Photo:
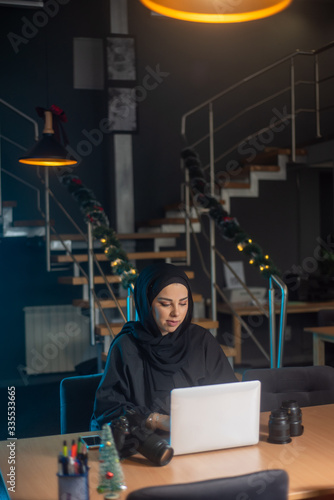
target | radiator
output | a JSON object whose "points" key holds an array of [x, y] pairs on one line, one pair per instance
{"points": [[56, 339]]}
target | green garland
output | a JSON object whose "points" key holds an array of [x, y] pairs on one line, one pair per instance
{"points": [[227, 225], [94, 213]]}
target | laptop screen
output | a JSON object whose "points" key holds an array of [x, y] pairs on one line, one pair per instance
{"points": [[214, 417]]}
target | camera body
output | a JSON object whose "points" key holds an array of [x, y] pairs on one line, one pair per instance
{"points": [[131, 435]]}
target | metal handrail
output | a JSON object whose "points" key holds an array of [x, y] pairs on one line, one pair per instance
{"points": [[26, 117], [93, 298], [239, 84], [283, 315], [223, 296], [28, 184], [213, 160], [92, 260]]}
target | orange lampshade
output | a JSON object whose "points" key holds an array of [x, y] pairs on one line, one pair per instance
{"points": [[217, 11], [48, 152]]}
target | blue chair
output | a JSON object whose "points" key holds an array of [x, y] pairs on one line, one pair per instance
{"points": [[4, 495], [308, 385], [264, 485], [77, 396]]}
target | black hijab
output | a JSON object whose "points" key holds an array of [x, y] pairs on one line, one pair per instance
{"points": [[164, 353]]}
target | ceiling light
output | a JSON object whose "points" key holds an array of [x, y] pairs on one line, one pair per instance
{"points": [[48, 152], [217, 11]]}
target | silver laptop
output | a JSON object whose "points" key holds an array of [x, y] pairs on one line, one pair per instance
{"points": [[214, 417]]}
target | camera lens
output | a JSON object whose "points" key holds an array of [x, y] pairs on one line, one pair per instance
{"points": [[295, 417], [279, 427], [156, 449]]}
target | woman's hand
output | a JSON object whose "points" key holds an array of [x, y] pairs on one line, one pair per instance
{"points": [[158, 421]]}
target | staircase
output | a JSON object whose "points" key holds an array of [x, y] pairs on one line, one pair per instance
{"points": [[162, 238], [271, 165]]}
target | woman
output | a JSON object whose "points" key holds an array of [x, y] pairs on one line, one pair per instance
{"points": [[163, 350]]}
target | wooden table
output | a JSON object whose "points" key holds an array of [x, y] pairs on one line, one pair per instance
{"points": [[321, 334], [243, 309], [308, 459]]}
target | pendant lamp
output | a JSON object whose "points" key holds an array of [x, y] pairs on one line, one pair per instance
{"points": [[48, 152], [217, 11]]}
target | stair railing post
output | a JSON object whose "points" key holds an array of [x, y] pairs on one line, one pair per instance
{"points": [[47, 219], [129, 305], [212, 222], [188, 214], [293, 109], [131, 312], [317, 95], [272, 323], [283, 316], [92, 313]]}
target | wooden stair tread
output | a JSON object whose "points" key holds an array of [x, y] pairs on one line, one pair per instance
{"points": [[254, 167], [31, 223], [9, 204], [98, 280], [173, 207], [229, 351], [168, 220], [270, 153], [102, 329], [245, 172], [120, 236], [81, 257], [264, 168], [81, 280], [110, 303], [207, 323], [106, 303], [236, 185]]}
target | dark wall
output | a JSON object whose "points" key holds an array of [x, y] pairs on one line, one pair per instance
{"points": [[197, 61]]}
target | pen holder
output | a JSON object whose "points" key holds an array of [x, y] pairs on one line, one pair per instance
{"points": [[73, 486]]}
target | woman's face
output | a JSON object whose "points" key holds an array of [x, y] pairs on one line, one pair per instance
{"points": [[169, 307]]}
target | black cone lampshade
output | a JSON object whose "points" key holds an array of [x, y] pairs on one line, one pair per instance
{"points": [[48, 152]]}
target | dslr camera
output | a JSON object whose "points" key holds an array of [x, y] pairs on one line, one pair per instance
{"points": [[131, 435]]}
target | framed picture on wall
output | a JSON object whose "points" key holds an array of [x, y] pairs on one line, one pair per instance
{"points": [[121, 58], [122, 110]]}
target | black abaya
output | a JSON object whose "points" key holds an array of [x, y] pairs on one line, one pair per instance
{"points": [[143, 366]]}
